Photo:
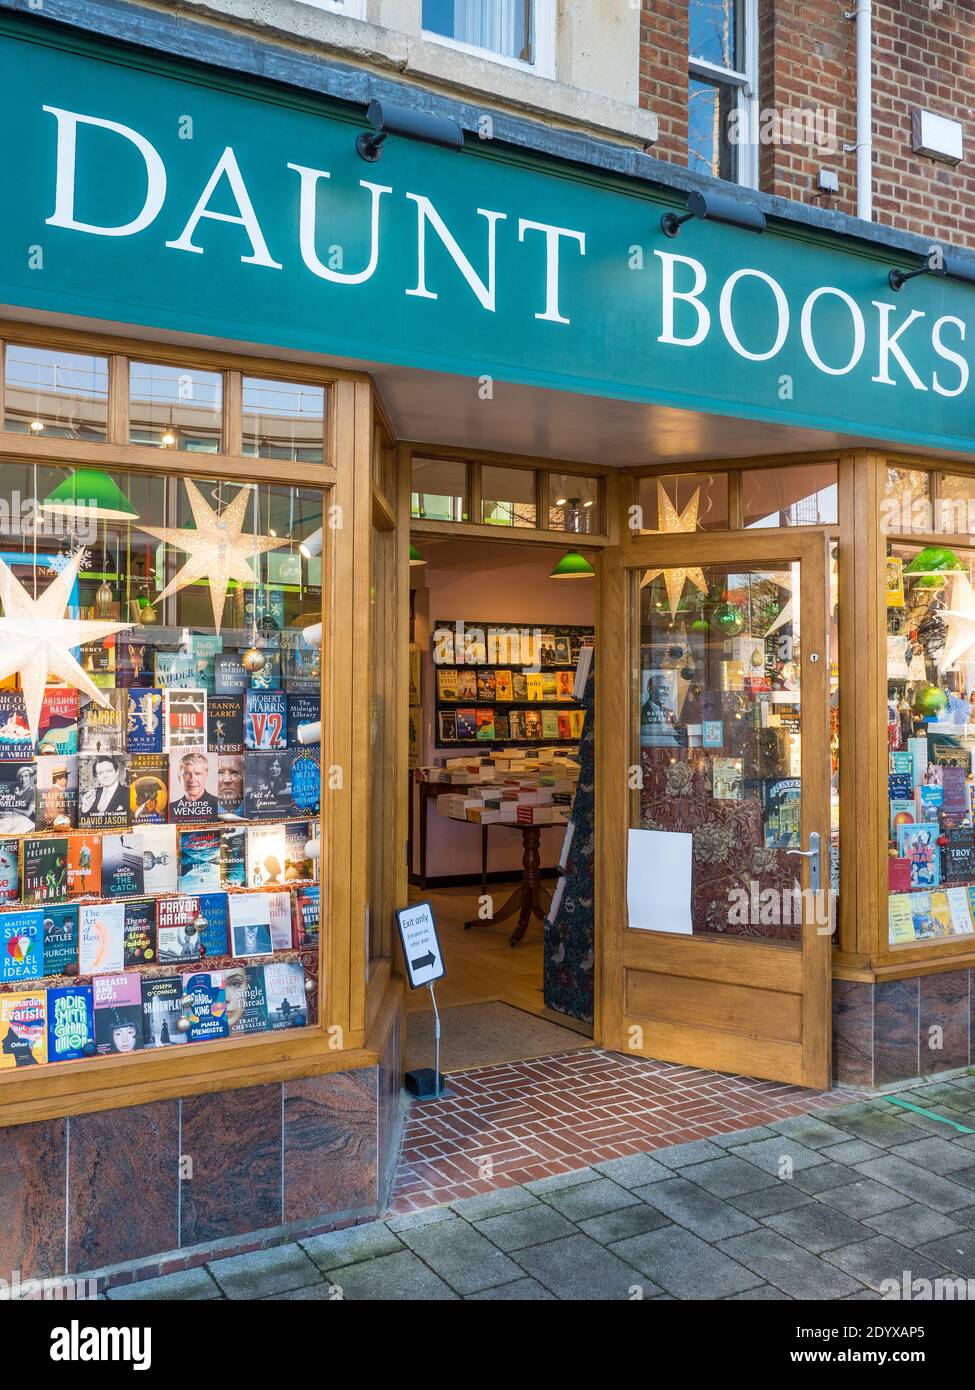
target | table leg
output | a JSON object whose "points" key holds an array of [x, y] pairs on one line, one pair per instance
{"points": [[530, 883]]}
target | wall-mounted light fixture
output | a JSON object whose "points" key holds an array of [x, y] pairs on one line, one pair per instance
{"points": [[715, 207], [388, 119], [936, 262]]}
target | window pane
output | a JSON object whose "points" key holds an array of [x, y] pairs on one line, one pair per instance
{"points": [[501, 26], [719, 737], [713, 31], [709, 108], [956, 509], [906, 503], [801, 496], [175, 407], [63, 395], [682, 490], [439, 490], [573, 503], [283, 420], [508, 496]]}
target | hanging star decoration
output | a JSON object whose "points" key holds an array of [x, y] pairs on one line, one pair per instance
{"points": [[674, 523], [959, 622], [217, 548], [36, 638], [783, 620]]}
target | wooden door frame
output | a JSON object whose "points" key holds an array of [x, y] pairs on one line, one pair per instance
{"points": [[618, 625]]}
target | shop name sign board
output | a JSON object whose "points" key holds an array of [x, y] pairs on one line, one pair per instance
{"points": [[137, 192]]}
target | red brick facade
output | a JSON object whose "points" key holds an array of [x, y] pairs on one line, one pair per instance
{"points": [[922, 57]]}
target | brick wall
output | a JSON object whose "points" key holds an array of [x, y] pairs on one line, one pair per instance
{"points": [[922, 56]]}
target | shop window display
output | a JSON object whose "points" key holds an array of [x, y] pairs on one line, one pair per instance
{"points": [[160, 723]]}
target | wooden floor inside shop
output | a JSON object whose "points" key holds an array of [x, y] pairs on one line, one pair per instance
{"points": [[481, 964]]}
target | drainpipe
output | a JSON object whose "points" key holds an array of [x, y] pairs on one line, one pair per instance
{"points": [[864, 141]]}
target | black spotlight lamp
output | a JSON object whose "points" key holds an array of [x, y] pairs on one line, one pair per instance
{"points": [[388, 119], [936, 262], [715, 207]]}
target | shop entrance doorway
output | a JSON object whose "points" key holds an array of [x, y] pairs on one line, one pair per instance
{"points": [[712, 803]]}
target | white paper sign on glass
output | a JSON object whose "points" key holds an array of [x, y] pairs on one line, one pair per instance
{"points": [[658, 880]]}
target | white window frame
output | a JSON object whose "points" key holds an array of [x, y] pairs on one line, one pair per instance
{"points": [[352, 9], [745, 82], [544, 21]]}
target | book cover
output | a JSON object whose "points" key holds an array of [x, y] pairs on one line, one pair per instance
{"points": [[269, 676], [301, 664], [250, 924], [922, 921], [577, 720], [70, 1023], [516, 725], [230, 676], [898, 875], [230, 787], [144, 732], [297, 865], [502, 728], [233, 857], [466, 684], [306, 780], [958, 854], [246, 1005], [101, 728], [98, 661], [533, 686], [519, 685], [84, 865], [532, 719], [140, 931], [940, 913], [58, 729], [149, 788], [308, 899], [193, 786], [9, 871], [549, 687], [918, 843], [123, 865], [281, 911], [23, 1029], [900, 919], [484, 723], [303, 710], [550, 724], [160, 866], [136, 661], [21, 945], [485, 685], [466, 725], [447, 684], [61, 939], [503, 691], [902, 812], [16, 743], [185, 719], [184, 924], [564, 684], [101, 938], [162, 1009], [960, 911], [205, 1005], [951, 750], [561, 651], [267, 784], [18, 798], [225, 723], [264, 609], [117, 1007], [782, 807], [447, 724], [57, 792], [103, 791], [199, 861], [900, 760], [267, 851], [899, 786], [954, 795], [928, 801], [284, 990], [182, 670], [265, 719], [45, 877]]}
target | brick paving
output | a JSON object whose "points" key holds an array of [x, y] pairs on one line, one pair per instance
{"points": [[825, 1204], [524, 1121]]}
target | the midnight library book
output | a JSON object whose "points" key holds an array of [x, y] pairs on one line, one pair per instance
{"points": [[225, 723], [302, 710], [103, 791], [61, 939], [199, 861], [267, 784], [123, 865], [140, 931], [57, 792], [46, 869], [18, 798], [101, 728], [149, 788], [70, 1023], [246, 1005], [162, 1009], [117, 1004], [265, 719], [205, 1006], [16, 743], [145, 725], [58, 731]]}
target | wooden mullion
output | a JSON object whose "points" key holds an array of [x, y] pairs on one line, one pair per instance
{"points": [[117, 431], [233, 406]]}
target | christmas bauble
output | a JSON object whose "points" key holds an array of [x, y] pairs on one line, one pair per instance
{"points": [[728, 619], [930, 701]]}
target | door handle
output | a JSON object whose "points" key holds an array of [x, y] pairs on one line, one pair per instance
{"points": [[815, 860]]}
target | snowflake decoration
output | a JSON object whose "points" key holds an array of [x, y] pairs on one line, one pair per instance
{"points": [[61, 561]]}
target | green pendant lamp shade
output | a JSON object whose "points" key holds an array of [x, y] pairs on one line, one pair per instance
{"points": [[415, 557], [87, 492], [573, 566]]}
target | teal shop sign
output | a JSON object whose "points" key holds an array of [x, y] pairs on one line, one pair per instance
{"points": [[143, 193]]}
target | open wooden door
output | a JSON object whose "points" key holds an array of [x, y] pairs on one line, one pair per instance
{"points": [[713, 734]]}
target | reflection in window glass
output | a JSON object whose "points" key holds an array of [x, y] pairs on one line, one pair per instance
{"points": [[720, 742], [439, 489], [956, 507], [507, 496], [60, 395], [175, 407], [802, 495], [573, 503], [709, 489], [500, 26], [283, 420], [906, 504], [709, 112], [713, 31]]}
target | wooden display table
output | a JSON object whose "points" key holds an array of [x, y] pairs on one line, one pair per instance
{"points": [[529, 898]]}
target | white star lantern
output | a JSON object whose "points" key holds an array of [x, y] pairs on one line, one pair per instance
{"points": [[217, 549], [672, 523], [959, 623], [36, 637]]}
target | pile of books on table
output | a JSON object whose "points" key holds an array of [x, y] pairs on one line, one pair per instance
{"points": [[509, 788]]}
